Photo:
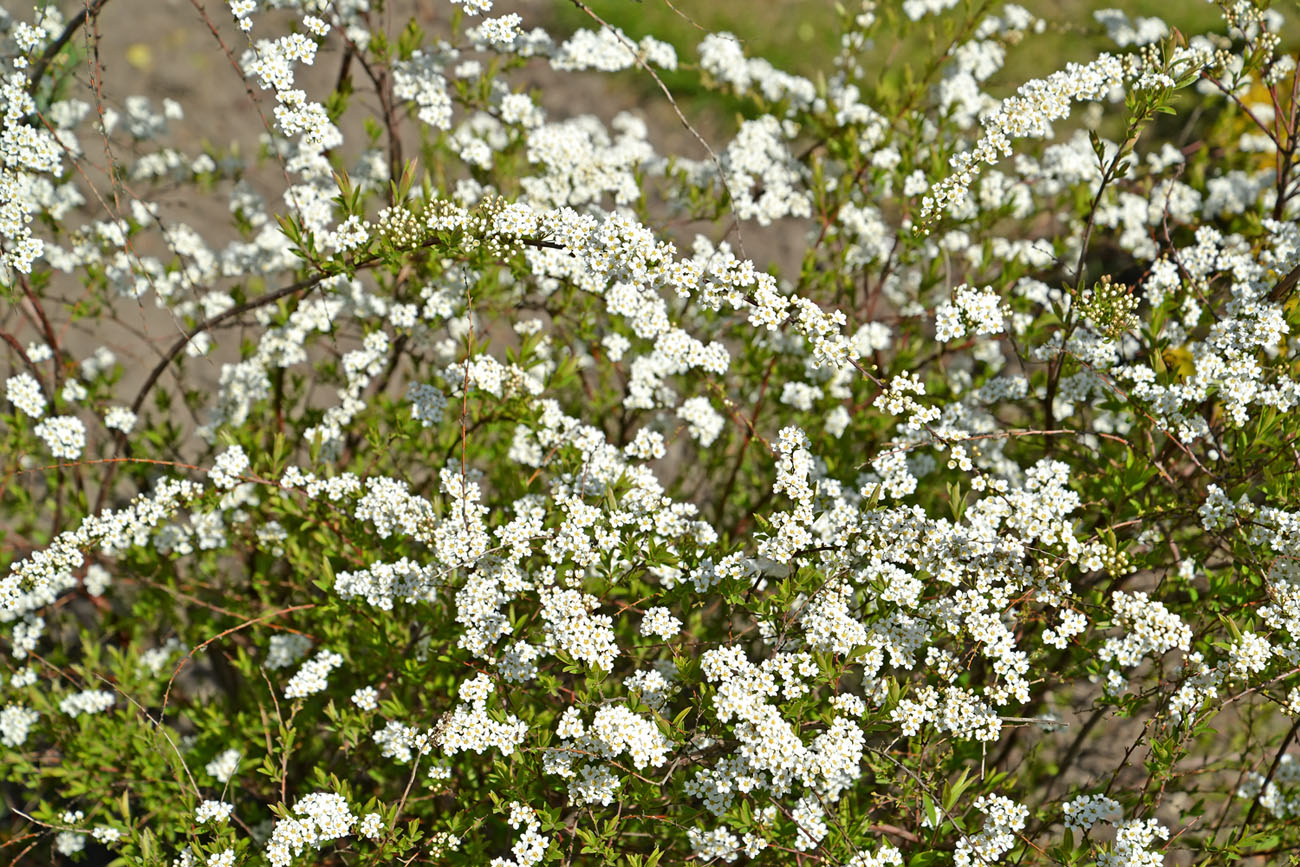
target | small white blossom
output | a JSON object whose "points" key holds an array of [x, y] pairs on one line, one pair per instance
{"points": [[65, 436], [24, 392], [215, 811]]}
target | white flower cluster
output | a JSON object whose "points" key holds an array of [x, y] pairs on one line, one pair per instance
{"points": [[918, 9], [229, 465], [29, 580], [501, 31], [647, 445], [366, 698], [703, 422], [87, 701], [771, 755], [371, 826], [381, 584], [120, 418], [16, 722], [722, 56], [216, 812], [65, 436], [26, 150], [759, 159], [718, 844], [474, 7], [794, 468], [1132, 847], [1149, 628], [1003, 819], [884, 856], [223, 767], [971, 311], [1125, 32], [313, 676], [660, 621], [427, 403], [1087, 810], [285, 649], [24, 392], [586, 752], [403, 742], [518, 663], [530, 848], [1280, 795], [318, 818], [955, 710], [1039, 103], [572, 628], [155, 658], [609, 51], [470, 728]]}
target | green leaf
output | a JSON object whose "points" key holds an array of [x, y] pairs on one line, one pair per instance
{"points": [[931, 813]]}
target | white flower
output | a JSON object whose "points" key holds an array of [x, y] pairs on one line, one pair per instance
{"points": [[311, 678], [87, 701], [500, 31], [229, 465], [24, 392], [15, 722], [73, 391], [97, 579], [224, 765], [216, 811], [65, 436], [702, 421], [372, 826], [286, 649], [660, 622], [977, 311], [474, 7], [119, 418], [427, 403], [320, 818], [69, 842]]}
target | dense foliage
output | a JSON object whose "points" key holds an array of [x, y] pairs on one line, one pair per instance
{"points": [[910, 477]]}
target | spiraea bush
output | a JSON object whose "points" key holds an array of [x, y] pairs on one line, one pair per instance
{"points": [[484, 489]]}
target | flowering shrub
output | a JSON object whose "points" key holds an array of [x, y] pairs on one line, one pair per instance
{"points": [[488, 493]]}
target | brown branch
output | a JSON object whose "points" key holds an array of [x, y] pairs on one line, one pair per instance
{"points": [[52, 50]]}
